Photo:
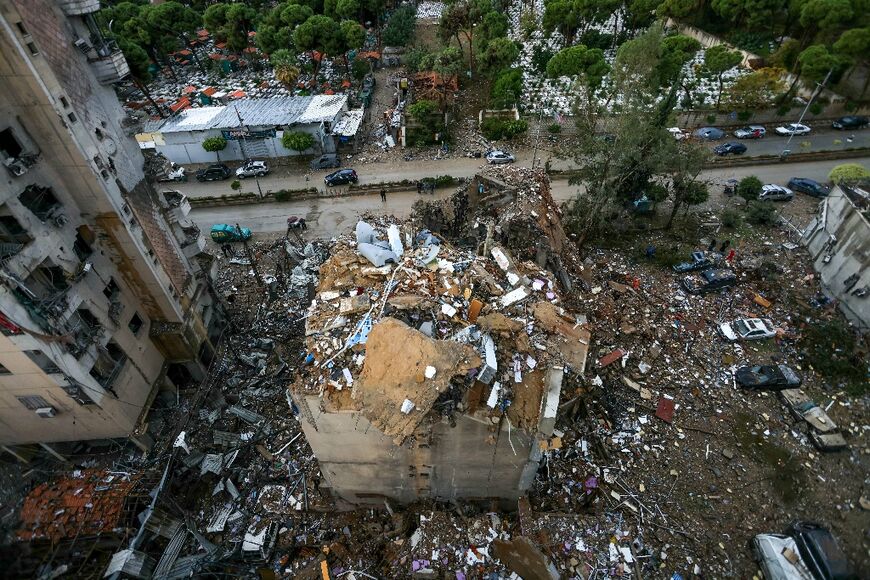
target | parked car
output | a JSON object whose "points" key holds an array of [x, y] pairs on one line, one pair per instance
{"points": [[747, 329], [793, 129], [820, 552], [498, 157], [214, 172], [711, 280], [750, 132], [773, 192], [678, 133], [779, 558], [251, 169], [223, 233], [809, 186], [732, 148], [767, 377], [176, 173], [341, 177], [709, 133], [700, 261], [326, 161], [851, 122]]}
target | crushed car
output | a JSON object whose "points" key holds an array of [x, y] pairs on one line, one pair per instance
{"points": [[767, 377]]}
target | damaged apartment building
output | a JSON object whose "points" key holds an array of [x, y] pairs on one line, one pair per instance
{"points": [[434, 370], [104, 300]]}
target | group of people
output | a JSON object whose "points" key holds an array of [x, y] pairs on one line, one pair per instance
{"points": [[425, 187]]}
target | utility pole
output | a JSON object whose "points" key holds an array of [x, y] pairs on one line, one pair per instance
{"points": [[537, 139], [250, 256], [243, 130], [819, 87]]}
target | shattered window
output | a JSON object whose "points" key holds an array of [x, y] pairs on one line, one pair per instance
{"points": [[11, 232], [4, 370], [108, 365], [82, 245], [135, 324], [42, 361], [9, 144], [78, 394], [40, 200], [111, 290], [47, 280], [741, 327]]}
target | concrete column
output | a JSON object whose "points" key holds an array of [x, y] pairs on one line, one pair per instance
{"points": [[51, 451], [15, 453]]}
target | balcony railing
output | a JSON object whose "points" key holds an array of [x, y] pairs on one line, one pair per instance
{"points": [[79, 7], [109, 64]]}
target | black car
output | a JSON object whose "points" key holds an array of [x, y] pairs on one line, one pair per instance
{"points": [[700, 261], [809, 186], [709, 281], [851, 122], [767, 377], [820, 552], [213, 172], [732, 148], [341, 177]]}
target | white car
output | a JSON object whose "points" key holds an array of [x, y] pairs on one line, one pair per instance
{"points": [[678, 133], [747, 329], [773, 192], [793, 129], [497, 157], [779, 558], [750, 132], [252, 168]]}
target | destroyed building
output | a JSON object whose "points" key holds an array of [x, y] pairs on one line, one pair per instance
{"points": [[434, 370], [104, 300]]}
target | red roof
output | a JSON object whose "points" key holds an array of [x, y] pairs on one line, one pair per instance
{"points": [[188, 89], [220, 45], [239, 94], [369, 54], [179, 105], [345, 84], [184, 52], [216, 56], [202, 33], [209, 91]]}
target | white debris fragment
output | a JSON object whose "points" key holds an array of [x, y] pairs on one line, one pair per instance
{"points": [[407, 406], [429, 372]]}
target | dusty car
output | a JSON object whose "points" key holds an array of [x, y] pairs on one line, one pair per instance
{"points": [[773, 192], [709, 133], [767, 377], [747, 329], [176, 173], [809, 186], [700, 261], [678, 133], [251, 169], [793, 129], [326, 161], [820, 552], [341, 177], [750, 132], [778, 557], [851, 122], [498, 157], [709, 281], [223, 233], [732, 148], [214, 172]]}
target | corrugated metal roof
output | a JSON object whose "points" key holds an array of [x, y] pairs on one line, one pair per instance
{"points": [[256, 113], [349, 123]]}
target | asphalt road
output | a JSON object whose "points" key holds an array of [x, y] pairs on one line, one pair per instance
{"points": [[294, 177], [330, 216]]}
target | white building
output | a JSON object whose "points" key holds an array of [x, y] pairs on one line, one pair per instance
{"points": [[253, 128], [104, 295]]}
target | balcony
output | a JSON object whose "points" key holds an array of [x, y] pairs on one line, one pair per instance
{"points": [[111, 68], [194, 245], [79, 7]]}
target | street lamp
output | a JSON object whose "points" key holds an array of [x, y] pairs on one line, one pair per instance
{"points": [[819, 87]]}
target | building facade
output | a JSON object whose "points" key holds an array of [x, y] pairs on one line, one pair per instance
{"points": [[253, 128], [104, 295], [838, 240]]}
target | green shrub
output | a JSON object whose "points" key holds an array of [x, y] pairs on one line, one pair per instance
{"points": [[515, 128], [360, 69], [540, 58], [749, 188], [783, 110], [761, 213], [554, 128], [744, 115], [832, 349], [731, 218], [282, 195], [850, 106], [711, 119], [445, 181], [297, 141], [236, 185], [400, 27], [817, 108]]}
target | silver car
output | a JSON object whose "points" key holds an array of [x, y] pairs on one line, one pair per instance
{"points": [[252, 168], [747, 329], [498, 157], [773, 192], [750, 132]]}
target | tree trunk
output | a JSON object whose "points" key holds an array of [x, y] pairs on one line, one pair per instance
{"points": [[141, 86], [192, 50], [677, 203], [719, 94]]}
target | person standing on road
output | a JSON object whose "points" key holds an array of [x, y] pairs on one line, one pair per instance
{"points": [[383, 195], [419, 187], [730, 258]]}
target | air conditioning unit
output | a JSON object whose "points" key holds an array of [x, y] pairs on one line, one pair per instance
{"points": [[82, 45], [45, 412]]}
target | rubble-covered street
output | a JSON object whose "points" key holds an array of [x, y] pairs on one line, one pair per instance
{"points": [[651, 462]]}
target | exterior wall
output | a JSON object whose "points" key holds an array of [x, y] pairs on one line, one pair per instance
{"points": [[57, 109], [841, 232]]}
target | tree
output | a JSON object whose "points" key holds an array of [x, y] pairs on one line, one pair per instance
{"points": [[579, 61], [677, 50], [855, 44], [718, 60], [353, 36], [499, 54], [826, 15], [749, 188], [284, 63], [348, 9], [757, 90], [319, 33], [463, 17], [230, 22], [215, 145], [448, 64], [400, 27], [639, 14], [297, 141], [683, 168], [678, 8], [175, 20], [848, 172], [507, 89], [422, 109], [139, 63]]}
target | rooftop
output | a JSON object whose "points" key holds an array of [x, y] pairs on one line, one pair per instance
{"points": [[256, 113]]}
